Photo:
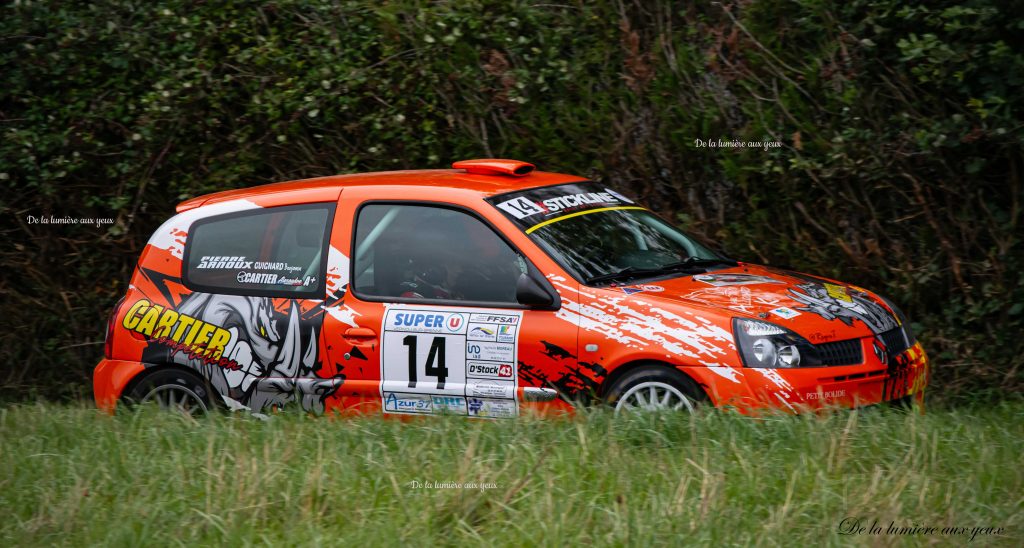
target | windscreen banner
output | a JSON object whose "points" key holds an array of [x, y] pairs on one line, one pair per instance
{"points": [[533, 208]]}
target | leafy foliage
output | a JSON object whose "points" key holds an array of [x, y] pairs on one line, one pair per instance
{"points": [[900, 128]]}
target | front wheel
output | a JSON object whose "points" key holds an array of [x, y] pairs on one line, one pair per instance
{"points": [[655, 388], [172, 390]]}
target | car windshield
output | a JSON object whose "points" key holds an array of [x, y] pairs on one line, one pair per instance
{"points": [[600, 236]]}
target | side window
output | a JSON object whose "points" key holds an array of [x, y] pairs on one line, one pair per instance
{"points": [[272, 251], [432, 253]]}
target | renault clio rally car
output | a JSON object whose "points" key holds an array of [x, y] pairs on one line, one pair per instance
{"points": [[483, 291]]}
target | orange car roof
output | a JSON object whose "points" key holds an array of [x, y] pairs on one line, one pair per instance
{"points": [[479, 177]]}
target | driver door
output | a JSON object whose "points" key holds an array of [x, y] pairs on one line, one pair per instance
{"points": [[432, 323]]}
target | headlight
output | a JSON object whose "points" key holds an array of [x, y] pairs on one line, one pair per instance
{"points": [[911, 339], [763, 344]]}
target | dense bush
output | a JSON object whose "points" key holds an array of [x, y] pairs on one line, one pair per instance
{"points": [[900, 128]]}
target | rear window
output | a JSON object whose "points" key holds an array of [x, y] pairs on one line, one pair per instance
{"points": [[272, 251]]}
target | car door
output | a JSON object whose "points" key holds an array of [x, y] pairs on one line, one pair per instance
{"points": [[431, 320]]}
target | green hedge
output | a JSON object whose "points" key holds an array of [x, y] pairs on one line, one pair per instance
{"points": [[900, 128]]}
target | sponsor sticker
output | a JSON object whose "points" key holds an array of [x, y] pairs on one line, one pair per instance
{"points": [[506, 333], [455, 323], [396, 402], [521, 207], [490, 370], [838, 292], [497, 352], [505, 319], [629, 290], [453, 405], [266, 278], [785, 313], [216, 262], [548, 203], [424, 321], [296, 281], [180, 332], [825, 395], [492, 408], [432, 360], [482, 332], [256, 278], [491, 389]]}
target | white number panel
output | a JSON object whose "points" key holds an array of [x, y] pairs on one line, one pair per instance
{"points": [[445, 360]]}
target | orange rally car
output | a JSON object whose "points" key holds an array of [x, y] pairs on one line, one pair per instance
{"points": [[483, 291]]}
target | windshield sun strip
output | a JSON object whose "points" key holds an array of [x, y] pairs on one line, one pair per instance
{"points": [[542, 224]]}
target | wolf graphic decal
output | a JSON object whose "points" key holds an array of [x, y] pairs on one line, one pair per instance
{"points": [[834, 302], [275, 351]]}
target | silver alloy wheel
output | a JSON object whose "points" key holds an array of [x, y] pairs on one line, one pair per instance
{"points": [[653, 396], [178, 398]]}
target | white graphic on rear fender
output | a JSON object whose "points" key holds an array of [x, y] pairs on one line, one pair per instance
{"points": [[275, 352]]}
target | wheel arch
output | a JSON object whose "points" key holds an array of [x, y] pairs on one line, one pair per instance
{"points": [[151, 369], [627, 367]]}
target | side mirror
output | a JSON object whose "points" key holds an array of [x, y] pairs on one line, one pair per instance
{"points": [[531, 293]]}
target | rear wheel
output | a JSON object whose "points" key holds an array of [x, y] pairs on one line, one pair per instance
{"points": [[172, 390], [655, 388]]}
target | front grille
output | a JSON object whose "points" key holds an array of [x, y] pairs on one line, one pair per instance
{"points": [[895, 341], [841, 352]]}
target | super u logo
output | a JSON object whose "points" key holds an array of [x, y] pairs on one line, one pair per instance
{"points": [[416, 320], [454, 322]]}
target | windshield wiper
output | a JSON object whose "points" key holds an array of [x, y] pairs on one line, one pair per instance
{"points": [[625, 273], [692, 263], [696, 263]]}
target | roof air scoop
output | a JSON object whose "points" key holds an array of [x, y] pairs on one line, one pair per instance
{"points": [[495, 166]]}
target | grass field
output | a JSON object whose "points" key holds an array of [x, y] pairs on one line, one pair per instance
{"points": [[69, 475]]}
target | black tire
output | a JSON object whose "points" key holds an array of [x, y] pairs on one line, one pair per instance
{"points": [[189, 392], [624, 391]]}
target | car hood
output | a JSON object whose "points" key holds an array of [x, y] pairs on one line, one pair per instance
{"points": [[819, 309]]}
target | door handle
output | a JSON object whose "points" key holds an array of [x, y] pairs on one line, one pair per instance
{"points": [[359, 335]]}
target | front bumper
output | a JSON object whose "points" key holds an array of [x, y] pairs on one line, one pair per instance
{"points": [[849, 386], [906, 375]]}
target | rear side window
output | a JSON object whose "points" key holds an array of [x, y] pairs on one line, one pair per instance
{"points": [[275, 251]]}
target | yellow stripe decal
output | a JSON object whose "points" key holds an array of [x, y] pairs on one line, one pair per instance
{"points": [[577, 214]]}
